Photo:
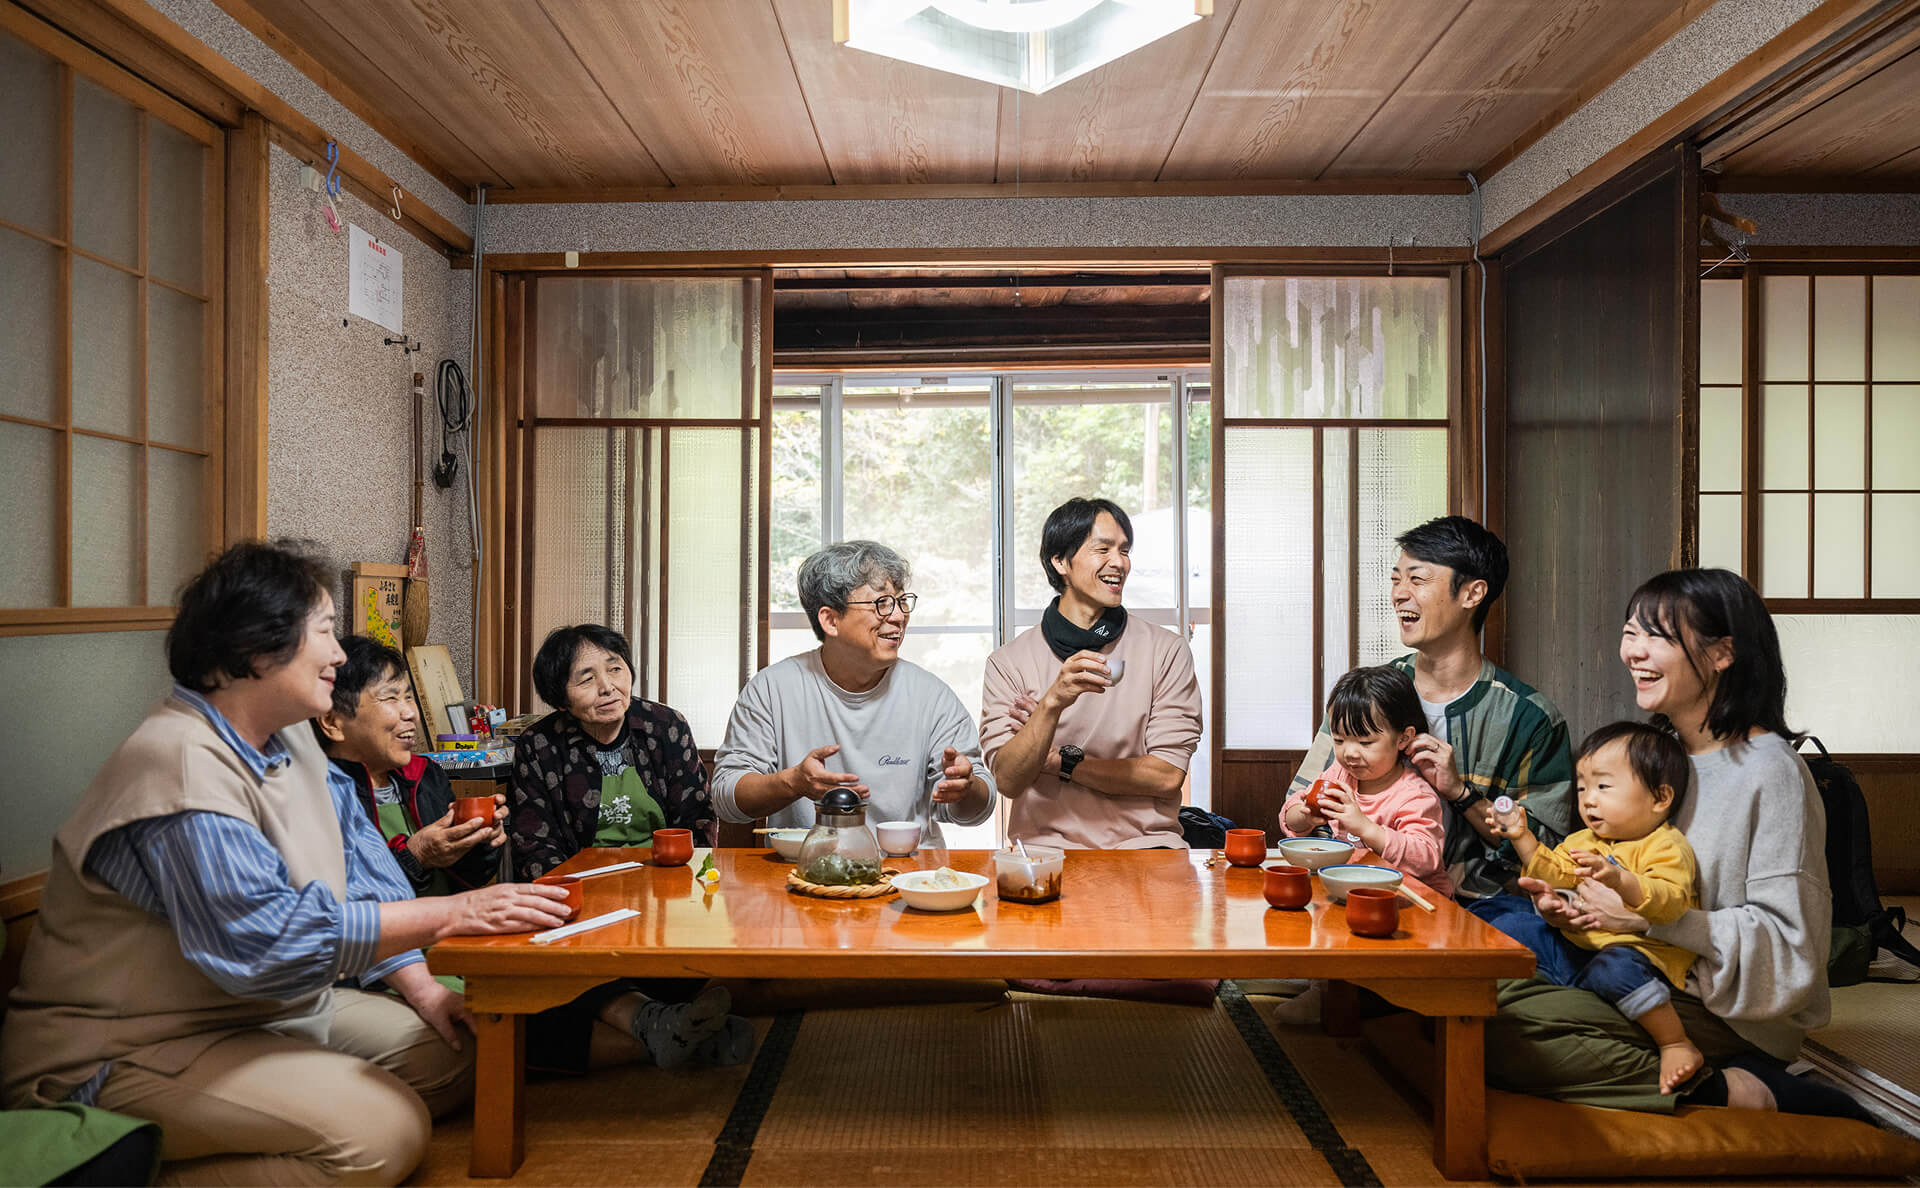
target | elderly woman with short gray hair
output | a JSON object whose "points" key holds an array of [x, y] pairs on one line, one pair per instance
{"points": [[851, 712]]}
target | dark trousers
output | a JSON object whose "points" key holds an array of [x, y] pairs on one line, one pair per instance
{"points": [[1621, 974]]}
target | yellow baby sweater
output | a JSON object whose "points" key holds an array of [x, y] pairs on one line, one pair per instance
{"points": [[1669, 881]]}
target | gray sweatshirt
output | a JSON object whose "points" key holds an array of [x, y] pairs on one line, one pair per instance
{"points": [[1765, 917], [892, 737]]}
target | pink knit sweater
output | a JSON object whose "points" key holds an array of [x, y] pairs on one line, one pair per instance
{"points": [[1409, 810]]}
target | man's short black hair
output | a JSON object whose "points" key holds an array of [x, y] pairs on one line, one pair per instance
{"points": [[1655, 755], [1378, 698], [1462, 545], [553, 663], [1068, 527], [246, 612]]}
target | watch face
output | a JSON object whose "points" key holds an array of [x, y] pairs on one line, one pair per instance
{"points": [[1069, 751]]}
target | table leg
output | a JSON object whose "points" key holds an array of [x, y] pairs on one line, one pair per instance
{"points": [[1340, 1009], [1460, 1098], [499, 1095]]}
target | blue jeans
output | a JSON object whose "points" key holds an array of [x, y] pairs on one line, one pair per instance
{"points": [[1622, 974]]}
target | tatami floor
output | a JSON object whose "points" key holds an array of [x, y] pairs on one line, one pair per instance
{"points": [[1027, 1091]]}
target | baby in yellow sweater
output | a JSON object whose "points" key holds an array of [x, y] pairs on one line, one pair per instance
{"points": [[1629, 779]]}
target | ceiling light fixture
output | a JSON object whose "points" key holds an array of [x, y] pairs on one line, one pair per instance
{"points": [[1034, 45]]}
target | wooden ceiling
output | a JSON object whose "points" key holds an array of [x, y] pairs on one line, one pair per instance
{"points": [[579, 98], [1865, 136]]}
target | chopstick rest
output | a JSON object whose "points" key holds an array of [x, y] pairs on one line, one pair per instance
{"points": [[565, 931]]}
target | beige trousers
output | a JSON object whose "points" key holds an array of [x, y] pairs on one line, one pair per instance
{"points": [[265, 1108]]}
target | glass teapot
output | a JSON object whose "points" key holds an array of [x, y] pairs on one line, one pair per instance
{"points": [[840, 850]]}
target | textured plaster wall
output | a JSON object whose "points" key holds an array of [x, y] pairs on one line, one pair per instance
{"points": [[232, 41], [1691, 58], [1831, 220], [910, 225], [339, 415]]}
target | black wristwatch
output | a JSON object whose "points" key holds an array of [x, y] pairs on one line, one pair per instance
{"points": [[1070, 757]]}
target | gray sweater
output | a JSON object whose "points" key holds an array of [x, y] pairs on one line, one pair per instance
{"points": [[892, 737], [1765, 917]]}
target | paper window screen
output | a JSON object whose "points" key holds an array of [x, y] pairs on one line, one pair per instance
{"points": [[176, 207], [106, 359], [1721, 542], [1896, 563], [1269, 591], [106, 173], [176, 368], [1839, 328], [1850, 678], [29, 168], [1721, 439], [1840, 437], [1839, 546], [1721, 331], [1783, 437], [705, 577], [1783, 328], [648, 347], [28, 531], [29, 278], [1896, 436], [1896, 329], [1403, 482], [1336, 347], [176, 533], [106, 522], [1783, 546]]}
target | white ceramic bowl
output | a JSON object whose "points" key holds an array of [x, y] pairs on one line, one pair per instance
{"points": [[913, 887], [1338, 880], [1315, 852], [787, 842], [898, 838]]}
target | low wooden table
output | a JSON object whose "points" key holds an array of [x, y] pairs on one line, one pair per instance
{"points": [[1123, 914]]}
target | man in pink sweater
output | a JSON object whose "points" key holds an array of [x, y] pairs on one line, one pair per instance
{"points": [[1090, 719]]}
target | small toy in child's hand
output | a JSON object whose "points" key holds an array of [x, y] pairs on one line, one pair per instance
{"points": [[1508, 814]]}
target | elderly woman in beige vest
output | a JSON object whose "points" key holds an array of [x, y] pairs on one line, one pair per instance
{"points": [[218, 909]]}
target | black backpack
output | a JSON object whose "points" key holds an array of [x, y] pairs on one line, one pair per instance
{"points": [[1202, 830], [1861, 926]]}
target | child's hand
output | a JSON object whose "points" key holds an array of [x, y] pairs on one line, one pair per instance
{"points": [[1341, 808], [1594, 866]]}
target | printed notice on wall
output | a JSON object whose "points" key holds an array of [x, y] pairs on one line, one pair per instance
{"points": [[373, 279]]}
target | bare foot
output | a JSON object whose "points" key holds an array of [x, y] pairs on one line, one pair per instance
{"points": [[1744, 1090], [1678, 1063]]}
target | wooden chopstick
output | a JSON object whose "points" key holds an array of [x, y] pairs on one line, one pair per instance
{"points": [[1418, 898]]}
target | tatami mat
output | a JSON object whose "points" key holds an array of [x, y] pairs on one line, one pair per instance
{"points": [[1876, 1029]]}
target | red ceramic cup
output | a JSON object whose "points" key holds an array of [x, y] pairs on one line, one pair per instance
{"points": [[473, 808], [576, 891], [1373, 911], [672, 847], [1312, 798], [1246, 847], [1289, 886]]}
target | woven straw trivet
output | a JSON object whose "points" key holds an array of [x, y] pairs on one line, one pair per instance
{"points": [[861, 891]]}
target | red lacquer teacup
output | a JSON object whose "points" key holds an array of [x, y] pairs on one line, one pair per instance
{"points": [[473, 808], [1289, 886], [672, 847], [576, 891], [1246, 847], [1373, 911]]}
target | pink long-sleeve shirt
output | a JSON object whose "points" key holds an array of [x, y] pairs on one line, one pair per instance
{"points": [[1409, 810]]}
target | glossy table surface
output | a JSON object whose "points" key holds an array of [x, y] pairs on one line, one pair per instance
{"points": [[1122, 913]]}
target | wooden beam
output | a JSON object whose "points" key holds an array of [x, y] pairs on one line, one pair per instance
{"points": [[1835, 22], [1811, 183], [1372, 259], [246, 346], [381, 200], [291, 126], [376, 118], [995, 280], [1338, 186], [94, 26]]}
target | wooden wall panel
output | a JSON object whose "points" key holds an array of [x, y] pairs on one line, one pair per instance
{"points": [[1594, 332], [1891, 785], [1249, 787]]}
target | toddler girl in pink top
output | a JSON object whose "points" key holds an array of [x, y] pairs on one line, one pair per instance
{"points": [[1371, 796]]}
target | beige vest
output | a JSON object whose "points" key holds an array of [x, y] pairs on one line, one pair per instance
{"points": [[103, 980]]}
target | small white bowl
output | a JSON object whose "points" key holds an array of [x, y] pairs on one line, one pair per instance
{"points": [[898, 838], [787, 842], [1315, 852], [1338, 880], [913, 887]]}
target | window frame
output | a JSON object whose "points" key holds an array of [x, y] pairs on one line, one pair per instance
{"points": [[74, 62], [1753, 384]]}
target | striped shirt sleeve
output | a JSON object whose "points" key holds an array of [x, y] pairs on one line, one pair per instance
{"points": [[373, 878]]}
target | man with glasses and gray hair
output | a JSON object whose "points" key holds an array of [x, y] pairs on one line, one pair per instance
{"points": [[851, 713]]}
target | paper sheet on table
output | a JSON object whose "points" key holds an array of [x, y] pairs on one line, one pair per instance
{"points": [[373, 279], [565, 931]]}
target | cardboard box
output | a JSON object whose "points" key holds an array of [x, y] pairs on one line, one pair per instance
{"points": [[376, 608]]}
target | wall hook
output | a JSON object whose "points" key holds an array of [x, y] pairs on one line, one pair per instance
{"points": [[395, 212]]}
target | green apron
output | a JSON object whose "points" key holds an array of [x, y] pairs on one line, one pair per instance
{"points": [[393, 823], [628, 815]]}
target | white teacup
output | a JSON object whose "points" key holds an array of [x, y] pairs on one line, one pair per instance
{"points": [[898, 837], [1116, 667]]}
